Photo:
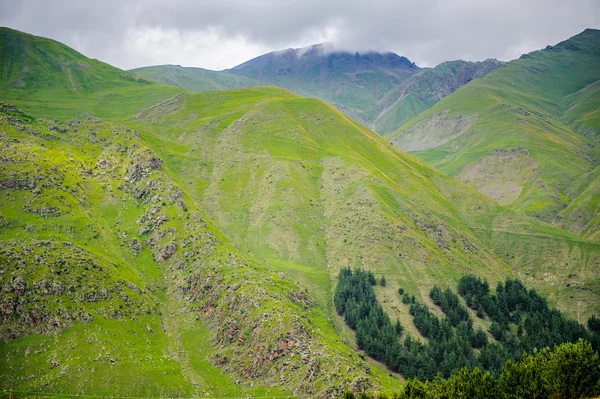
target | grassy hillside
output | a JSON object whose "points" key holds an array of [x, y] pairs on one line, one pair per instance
{"points": [[206, 232], [308, 191], [195, 79], [523, 134], [382, 91], [99, 245], [425, 89], [354, 83], [37, 73]]}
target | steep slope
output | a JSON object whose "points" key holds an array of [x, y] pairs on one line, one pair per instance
{"points": [[298, 189], [98, 243], [308, 191], [522, 134], [195, 79], [425, 89], [36, 72]]}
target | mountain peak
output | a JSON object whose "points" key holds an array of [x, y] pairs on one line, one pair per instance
{"points": [[331, 52]]}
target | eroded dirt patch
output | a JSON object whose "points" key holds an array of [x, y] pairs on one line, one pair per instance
{"points": [[502, 173], [433, 132]]}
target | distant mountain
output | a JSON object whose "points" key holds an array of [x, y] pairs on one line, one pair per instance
{"points": [[424, 89], [380, 90], [352, 82], [196, 79], [527, 134]]}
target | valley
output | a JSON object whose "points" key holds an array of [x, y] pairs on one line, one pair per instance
{"points": [[179, 232]]}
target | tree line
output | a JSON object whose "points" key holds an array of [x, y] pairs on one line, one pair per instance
{"points": [[521, 322]]}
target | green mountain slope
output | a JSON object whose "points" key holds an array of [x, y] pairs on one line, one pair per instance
{"points": [[353, 83], [95, 237], [425, 89], [36, 72], [522, 134], [210, 236], [379, 90], [308, 191], [195, 79]]}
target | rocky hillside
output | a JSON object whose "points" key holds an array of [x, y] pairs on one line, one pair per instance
{"points": [[96, 239], [323, 193], [526, 134], [191, 247]]}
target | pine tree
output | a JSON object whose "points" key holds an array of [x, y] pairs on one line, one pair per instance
{"points": [[594, 324], [398, 328], [371, 277]]}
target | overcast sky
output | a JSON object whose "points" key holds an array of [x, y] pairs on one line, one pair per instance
{"points": [[219, 34]]}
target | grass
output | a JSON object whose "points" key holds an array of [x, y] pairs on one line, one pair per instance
{"points": [[118, 317], [261, 198], [52, 80], [542, 105], [322, 193], [113, 355], [379, 90], [195, 79], [425, 89]]}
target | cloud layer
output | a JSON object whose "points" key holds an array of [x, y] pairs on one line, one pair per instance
{"points": [[218, 34]]}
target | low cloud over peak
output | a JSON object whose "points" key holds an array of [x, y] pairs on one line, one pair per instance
{"points": [[221, 34]]}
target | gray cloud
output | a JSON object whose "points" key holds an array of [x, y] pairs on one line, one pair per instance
{"points": [[220, 34]]}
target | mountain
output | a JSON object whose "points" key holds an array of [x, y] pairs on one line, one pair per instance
{"points": [[425, 89], [526, 134], [323, 193], [195, 79], [110, 270], [352, 82], [380, 90], [190, 247], [36, 72]]}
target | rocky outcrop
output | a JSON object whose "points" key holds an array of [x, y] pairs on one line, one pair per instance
{"points": [[142, 162], [59, 299]]}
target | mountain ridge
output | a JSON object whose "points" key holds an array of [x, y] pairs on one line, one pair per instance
{"points": [[232, 213], [192, 78], [31, 64], [539, 113], [371, 87]]}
